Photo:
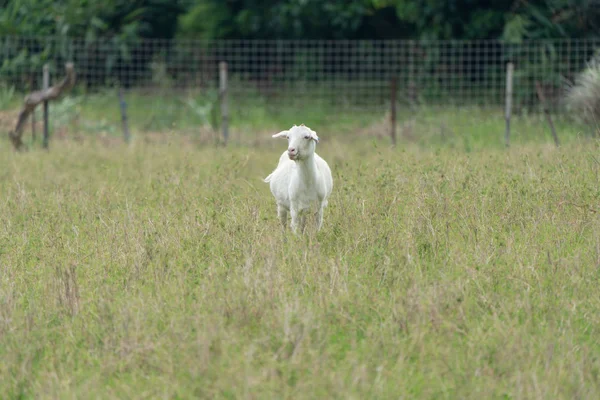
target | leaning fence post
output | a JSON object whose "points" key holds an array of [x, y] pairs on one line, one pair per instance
{"points": [[509, 89], [393, 110], [46, 85], [223, 97], [123, 105], [540, 93]]}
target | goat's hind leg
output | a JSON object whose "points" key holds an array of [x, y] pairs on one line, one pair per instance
{"points": [[302, 221], [319, 214], [282, 213], [319, 218]]}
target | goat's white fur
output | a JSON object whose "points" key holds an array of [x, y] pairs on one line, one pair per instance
{"points": [[301, 178]]}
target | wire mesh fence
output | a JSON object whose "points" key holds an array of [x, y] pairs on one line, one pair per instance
{"points": [[353, 75]]}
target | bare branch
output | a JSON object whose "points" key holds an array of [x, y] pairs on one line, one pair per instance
{"points": [[35, 98]]}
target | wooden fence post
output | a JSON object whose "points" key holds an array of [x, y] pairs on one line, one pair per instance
{"points": [[509, 90], [412, 86], [31, 80], [46, 85], [223, 96], [33, 126]]}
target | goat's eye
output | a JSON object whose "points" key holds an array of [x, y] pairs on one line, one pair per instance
{"points": [[306, 137]]}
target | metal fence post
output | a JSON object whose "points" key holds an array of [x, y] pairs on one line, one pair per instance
{"points": [[509, 87], [540, 93], [223, 97], [123, 107], [46, 85]]}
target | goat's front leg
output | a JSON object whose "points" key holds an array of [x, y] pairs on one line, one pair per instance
{"points": [[294, 212], [298, 220]]}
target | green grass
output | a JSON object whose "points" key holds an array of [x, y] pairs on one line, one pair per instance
{"points": [[253, 117], [197, 114], [160, 271]]}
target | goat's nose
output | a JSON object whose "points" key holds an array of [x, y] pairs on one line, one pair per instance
{"points": [[291, 150]]}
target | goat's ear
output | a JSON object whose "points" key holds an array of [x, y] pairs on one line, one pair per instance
{"points": [[313, 136], [281, 134]]}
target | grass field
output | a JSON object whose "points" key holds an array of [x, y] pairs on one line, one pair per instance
{"points": [[447, 267]]}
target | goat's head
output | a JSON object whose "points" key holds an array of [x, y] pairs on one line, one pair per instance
{"points": [[302, 141]]}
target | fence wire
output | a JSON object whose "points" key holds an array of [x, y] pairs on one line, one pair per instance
{"points": [[342, 73]]}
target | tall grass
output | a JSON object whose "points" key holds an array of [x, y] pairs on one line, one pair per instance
{"points": [[161, 271]]}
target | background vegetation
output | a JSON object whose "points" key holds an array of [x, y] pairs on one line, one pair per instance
{"points": [[303, 19]]}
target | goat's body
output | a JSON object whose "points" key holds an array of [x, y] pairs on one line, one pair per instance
{"points": [[296, 185]]}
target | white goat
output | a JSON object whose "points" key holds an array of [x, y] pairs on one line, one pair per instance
{"points": [[301, 178]]}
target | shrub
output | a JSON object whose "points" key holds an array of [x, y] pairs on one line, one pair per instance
{"points": [[583, 97]]}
